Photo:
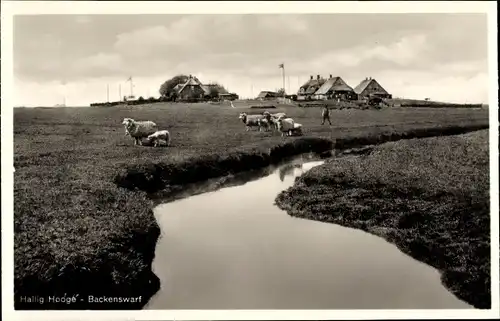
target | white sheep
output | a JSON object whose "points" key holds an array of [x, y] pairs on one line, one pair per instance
{"points": [[139, 129], [273, 118], [285, 125], [296, 130], [251, 120], [161, 136]]}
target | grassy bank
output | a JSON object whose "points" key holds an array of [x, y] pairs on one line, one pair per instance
{"points": [[430, 197], [78, 231]]}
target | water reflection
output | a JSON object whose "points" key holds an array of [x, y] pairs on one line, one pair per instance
{"points": [[234, 249], [289, 170]]}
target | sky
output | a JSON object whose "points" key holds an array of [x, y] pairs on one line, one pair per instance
{"points": [[74, 58]]}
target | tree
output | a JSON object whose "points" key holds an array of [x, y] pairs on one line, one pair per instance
{"points": [[281, 92], [167, 87], [215, 89]]}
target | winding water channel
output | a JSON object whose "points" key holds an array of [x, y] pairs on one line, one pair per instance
{"points": [[234, 249]]}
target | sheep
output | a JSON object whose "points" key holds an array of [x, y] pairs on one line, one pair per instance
{"points": [[139, 129], [296, 130], [265, 123], [278, 115], [158, 137], [273, 118], [251, 120], [285, 125]]}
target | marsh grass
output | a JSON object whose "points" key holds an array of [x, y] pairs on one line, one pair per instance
{"points": [[78, 232], [428, 196]]}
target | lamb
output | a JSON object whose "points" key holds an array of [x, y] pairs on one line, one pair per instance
{"points": [[161, 136], [251, 120], [287, 126], [139, 129]]}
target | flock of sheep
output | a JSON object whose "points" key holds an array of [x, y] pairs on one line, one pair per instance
{"points": [[276, 122], [149, 130]]}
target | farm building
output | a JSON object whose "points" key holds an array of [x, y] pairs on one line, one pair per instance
{"points": [[228, 96], [267, 95], [370, 86], [191, 89], [310, 87], [335, 88]]}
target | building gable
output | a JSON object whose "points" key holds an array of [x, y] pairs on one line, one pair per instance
{"points": [[333, 84], [374, 87], [338, 82], [369, 86]]}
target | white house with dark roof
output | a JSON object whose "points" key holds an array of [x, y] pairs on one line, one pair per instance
{"points": [[370, 86]]}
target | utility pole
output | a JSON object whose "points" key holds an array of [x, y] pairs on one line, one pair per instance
{"points": [[64, 91], [131, 86], [107, 93], [282, 66], [120, 92]]}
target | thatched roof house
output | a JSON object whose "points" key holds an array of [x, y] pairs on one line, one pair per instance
{"points": [[370, 86], [311, 86], [192, 88], [267, 95], [335, 87]]}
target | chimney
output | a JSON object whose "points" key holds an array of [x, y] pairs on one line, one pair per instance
{"points": [[311, 77], [318, 77], [331, 76]]}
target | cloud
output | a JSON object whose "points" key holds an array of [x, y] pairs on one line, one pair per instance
{"points": [[243, 49], [99, 65]]}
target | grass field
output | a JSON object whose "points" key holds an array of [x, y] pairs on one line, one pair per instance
{"points": [[76, 231], [428, 196]]}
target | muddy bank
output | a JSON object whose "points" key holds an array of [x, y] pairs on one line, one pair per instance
{"points": [[153, 178], [429, 197]]}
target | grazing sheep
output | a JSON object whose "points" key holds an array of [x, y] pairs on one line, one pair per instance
{"points": [[273, 118], [296, 130], [265, 123], [139, 129], [161, 136], [251, 120], [285, 126], [278, 115]]}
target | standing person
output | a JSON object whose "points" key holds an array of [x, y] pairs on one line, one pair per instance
{"points": [[325, 113]]}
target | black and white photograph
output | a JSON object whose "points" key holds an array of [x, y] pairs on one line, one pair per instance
{"points": [[162, 158]]}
